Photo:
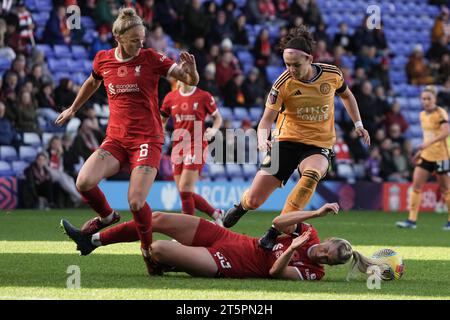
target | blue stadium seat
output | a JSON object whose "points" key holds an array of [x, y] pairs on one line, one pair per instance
{"points": [[217, 170], [87, 66], [57, 65], [345, 171], [19, 167], [44, 5], [5, 64], [415, 142], [236, 124], [40, 18], [220, 179], [62, 51], [240, 113], [226, 112], [31, 5], [233, 170], [415, 104], [8, 153], [89, 36], [75, 65], [46, 49], [46, 136], [73, 125], [256, 113], [27, 153], [79, 78], [87, 22], [32, 139], [273, 72], [245, 57], [61, 75], [79, 52], [5, 169]]}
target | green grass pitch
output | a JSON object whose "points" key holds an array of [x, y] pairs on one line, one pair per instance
{"points": [[35, 256]]}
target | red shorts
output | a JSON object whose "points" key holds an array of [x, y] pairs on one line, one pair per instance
{"points": [[195, 161], [236, 255], [134, 152]]}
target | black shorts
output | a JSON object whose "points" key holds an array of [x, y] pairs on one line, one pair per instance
{"points": [[290, 155], [440, 167]]}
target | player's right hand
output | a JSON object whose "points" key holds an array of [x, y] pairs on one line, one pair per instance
{"points": [[64, 116], [328, 208], [363, 133], [301, 240], [265, 145], [416, 157]]}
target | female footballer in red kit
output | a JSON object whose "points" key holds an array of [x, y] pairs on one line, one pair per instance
{"points": [[134, 135], [202, 248], [188, 107]]}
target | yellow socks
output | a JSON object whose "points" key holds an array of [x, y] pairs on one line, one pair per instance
{"points": [[303, 191]]}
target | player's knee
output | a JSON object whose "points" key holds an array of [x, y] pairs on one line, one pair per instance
{"points": [[157, 249], [85, 183], [135, 203], [254, 201], [157, 217], [185, 187]]}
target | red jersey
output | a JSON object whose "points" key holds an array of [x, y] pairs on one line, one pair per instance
{"points": [[307, 269], [189, 111], [132, 87], [239, 256]]}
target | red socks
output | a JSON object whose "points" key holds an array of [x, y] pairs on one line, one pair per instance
{"points": [[124, 232], [187, 203], [202, 205], [97, 201], [191, 201], [143, 222]]}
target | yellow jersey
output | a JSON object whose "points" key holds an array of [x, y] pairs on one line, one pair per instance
{"points": [[306, 108], [431, 126]]}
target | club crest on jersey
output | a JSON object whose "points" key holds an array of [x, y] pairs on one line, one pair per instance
{"points": [[137, 70], [122, 71], [325, 88], [195, 105], [273, 95]]}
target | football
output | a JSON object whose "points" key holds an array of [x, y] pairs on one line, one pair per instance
{"points": [[392, 263]]}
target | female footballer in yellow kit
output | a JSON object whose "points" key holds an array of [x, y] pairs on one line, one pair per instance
{"points": [[303, 100], [432, 156]]}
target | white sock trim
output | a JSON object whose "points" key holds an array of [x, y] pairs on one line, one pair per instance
{"points": [[108, 219], [95, 240]]}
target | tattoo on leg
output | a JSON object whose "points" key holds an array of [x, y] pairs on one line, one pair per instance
{"points": [[103, 154], [144, 169]]}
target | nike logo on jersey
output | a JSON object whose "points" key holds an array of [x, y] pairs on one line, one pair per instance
{"points": [[106, 72], [140, 159]]}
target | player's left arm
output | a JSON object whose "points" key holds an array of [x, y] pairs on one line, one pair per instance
{"points": [[281, 269], [217, 123], [296, 217], [186, 71], [351, 106]]}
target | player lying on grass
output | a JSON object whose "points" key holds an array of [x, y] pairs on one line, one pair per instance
{"points": [[208, 250]]}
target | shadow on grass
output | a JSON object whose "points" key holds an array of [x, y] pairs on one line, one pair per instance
{"points": [[422, 278]]}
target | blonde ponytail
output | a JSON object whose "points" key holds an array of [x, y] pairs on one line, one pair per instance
{"points": [[363, 264], [127, 19], [358, 262]]}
